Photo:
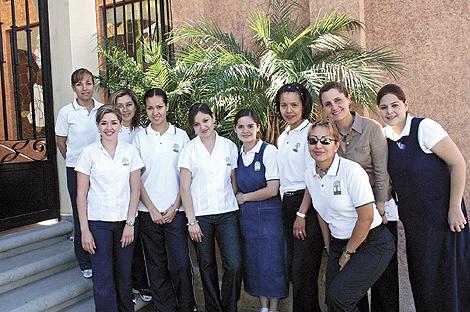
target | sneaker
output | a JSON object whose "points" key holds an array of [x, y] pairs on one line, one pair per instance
{"points": [[145, 294], [88, 273]]}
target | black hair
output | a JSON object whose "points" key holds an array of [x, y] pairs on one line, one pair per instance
{"points": [[391, 89], [304, 94], [196, 108], [156, 92], [246, 112]]}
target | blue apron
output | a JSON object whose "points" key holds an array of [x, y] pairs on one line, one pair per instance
{"points": [[438, 259], [263, 244]]}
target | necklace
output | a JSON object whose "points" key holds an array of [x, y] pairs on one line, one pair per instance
{"points": [[322, 172], [344, 137]]}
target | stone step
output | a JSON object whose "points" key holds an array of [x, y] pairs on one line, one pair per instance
{"points": [[88, 305], [29, 266], [15, 243], [52, 293]]}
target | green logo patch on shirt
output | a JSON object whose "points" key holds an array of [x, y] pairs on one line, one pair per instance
{"points": [[125, 161], [337, 188]]}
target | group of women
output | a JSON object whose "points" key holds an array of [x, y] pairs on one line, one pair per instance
{"points": [[138, 192]]}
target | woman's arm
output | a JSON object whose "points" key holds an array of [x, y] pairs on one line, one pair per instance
{"points": [[365, 216], [271, 190], [451, 155], [170, 212], [83, 185], [298, 229], [61, 142], [325, 231], [155, 215], [128, 232], [233, 180], [185, 190]]}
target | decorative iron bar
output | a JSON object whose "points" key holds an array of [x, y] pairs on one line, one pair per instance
{"points": [[133, 20], [25, 83]]}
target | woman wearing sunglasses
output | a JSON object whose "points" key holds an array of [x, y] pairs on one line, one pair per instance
{"points": [[363, 141], [359, 246], [428, 174], [303, 235]]}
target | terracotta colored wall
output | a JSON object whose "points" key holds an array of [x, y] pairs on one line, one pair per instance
{"points": [[433, 37]]}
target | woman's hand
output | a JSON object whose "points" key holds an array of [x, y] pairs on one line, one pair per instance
{"points": [[127, 236], [343, 260], [384, 218], [299, 228], [88, 242], [156, 216], [169, 214], [456, 219], [195, 232], [240, 198]]}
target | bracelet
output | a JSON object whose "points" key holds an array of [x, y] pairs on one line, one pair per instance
{"points": [[192, 223], [349, 253], [382, 213], [301, 215]]}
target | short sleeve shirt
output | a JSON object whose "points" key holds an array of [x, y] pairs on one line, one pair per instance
{"points": [[79, 126], [429, 133], [109, 193], [269, 159], [211, 186], [336, 195], [293, 157], [160, 153]]}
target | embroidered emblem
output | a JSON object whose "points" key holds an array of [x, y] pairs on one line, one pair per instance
{"points": [[176, 148], [125, 162], [228, 161], [296, 147], [337, 188], [257, 166]]}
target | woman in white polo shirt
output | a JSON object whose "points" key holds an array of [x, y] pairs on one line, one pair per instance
{"points": [[303, 235], [207, 165], [359, 245], [75, 128], [128, 104], [162, 218], [108, 187]]}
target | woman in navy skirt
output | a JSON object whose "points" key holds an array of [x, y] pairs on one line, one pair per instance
{"points": [[263, 244], [428, 175]]}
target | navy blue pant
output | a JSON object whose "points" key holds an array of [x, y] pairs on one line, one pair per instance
{"points": [[112, 284], [345, 288], [168, 263], [303, 256], [139, 263], [225, 229], [83, 258]]}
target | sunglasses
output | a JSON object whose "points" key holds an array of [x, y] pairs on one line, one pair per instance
{"points": [[324, 140]]}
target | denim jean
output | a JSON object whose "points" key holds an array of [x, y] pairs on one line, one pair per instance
{"points": [[225, 229], [168, 262], [83, 258], [111, 264]]}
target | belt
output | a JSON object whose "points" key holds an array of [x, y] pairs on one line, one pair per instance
{"points": [[293, 193]]}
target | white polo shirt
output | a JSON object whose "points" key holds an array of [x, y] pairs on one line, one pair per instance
{"points": [[127, 135], [293, 157], [211, 187], [160, 153], [109, 194], [429, 133], [79, 126], [336, 196], [269, 159]]}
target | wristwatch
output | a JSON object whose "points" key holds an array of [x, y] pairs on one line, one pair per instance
{"points": [[130, 222]]}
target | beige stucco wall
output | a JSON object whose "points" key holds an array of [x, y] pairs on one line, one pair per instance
{"points": [[432, 36]]}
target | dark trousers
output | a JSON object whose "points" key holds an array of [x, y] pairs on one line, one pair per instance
{"points": [[384, 293], [139, 263], [225, 229], [112, 285], [168, 263], [303, 256], [83, 258], [345, 288]]}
